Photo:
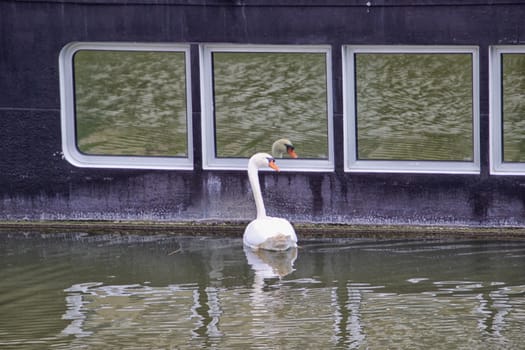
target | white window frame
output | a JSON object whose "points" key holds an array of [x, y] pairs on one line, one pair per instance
{"points": [[497, 165], [210, 161], [352, 164], [68, 117]]}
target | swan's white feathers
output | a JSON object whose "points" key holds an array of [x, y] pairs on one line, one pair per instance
{"points": [[270, 233]]}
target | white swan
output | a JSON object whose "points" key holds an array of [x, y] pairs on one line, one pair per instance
{"points": [[266, 232], [282, 146]]}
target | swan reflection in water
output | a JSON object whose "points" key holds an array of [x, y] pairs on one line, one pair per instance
{"points": [[268, 297], [271, 264]]}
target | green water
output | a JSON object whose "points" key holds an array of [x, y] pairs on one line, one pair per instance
{"points": [[414, 106], [513, 97], [409, 106], [262, 97], [131, 103], [75, 291]]}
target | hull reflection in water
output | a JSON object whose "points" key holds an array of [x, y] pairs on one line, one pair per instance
{"points": [[159, 292]]}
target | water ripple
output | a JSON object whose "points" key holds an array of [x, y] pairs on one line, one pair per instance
{"points": [[99, 293]]}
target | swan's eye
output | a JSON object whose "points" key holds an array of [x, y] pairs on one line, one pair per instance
{"points": [[272, 164], [290, 147]]}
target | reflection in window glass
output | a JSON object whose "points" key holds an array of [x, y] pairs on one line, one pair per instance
{"points": [[130, 103], [414, 106], [513, 106], [260, 97]]}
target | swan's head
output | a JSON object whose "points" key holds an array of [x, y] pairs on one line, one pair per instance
{"points": [[282, 146], [261, 160]]}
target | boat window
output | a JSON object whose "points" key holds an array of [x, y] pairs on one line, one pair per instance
{"points": [[126, 105], [255, 95], [411, 109], [507, 117]]}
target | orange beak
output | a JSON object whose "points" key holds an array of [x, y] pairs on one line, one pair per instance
{"points": [[292, 153], [273, 165]]}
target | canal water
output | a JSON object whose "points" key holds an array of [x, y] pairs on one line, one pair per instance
{"points": [[120, 291]]}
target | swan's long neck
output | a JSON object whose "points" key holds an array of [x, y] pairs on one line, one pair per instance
{"points": [[253, 176]]}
